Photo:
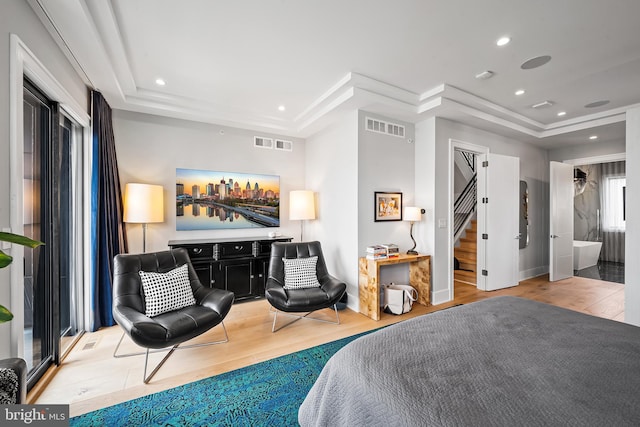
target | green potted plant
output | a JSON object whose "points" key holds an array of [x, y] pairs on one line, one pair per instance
{"points": [[5, 260], [13, 386]]}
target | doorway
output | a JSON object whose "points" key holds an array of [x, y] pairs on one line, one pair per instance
{"points": [[459, 177], [600, 220]]}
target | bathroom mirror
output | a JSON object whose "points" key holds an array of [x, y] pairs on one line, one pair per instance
{"points": [[524, 215]]}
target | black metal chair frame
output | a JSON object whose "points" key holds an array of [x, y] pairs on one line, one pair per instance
{"points": [[128, 308], [170, 351], [275, 312], [280, 298]]}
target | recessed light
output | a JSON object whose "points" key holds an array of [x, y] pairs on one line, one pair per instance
{"points": [[592, 137], [281, 108], [502, 41], [160, 82], [520, 92], [562, 113], [536, 62]]}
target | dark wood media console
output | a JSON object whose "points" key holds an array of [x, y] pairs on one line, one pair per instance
{"points": [[237, 265]]}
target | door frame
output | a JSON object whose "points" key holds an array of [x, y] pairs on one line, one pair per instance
{"points": [[455, 144], [605, 158], [22, 62]]}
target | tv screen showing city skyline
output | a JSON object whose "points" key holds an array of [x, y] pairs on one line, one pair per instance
{"points": [[216, 200]]}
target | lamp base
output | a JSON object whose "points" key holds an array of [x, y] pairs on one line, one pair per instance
{"points": [[412, 252]]}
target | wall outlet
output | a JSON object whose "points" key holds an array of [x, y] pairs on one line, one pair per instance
{"points": [[442, 223]]}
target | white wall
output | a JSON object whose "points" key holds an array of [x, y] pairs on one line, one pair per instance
{"points": [[18, 18], [385, 164], [432, 143], [426, 162], [150, 148], [632, 242], [332, 172]]}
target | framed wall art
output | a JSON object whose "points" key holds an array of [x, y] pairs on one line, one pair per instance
{"points": [[214, 200], [388, 206]]}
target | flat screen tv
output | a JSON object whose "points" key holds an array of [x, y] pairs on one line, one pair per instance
{"points": [[214, 200]]}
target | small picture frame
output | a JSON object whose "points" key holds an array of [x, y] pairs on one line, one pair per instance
{"points": [[388, 206]]}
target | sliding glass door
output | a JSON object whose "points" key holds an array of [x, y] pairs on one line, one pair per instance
{"points": [[70, 295], [38, 134], [51, 194]]}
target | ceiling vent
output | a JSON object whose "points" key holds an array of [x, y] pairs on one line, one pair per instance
{"points": [[380, 126], [542, 104], [259, 141], [484, 75], [597, 104], [283, 145]]}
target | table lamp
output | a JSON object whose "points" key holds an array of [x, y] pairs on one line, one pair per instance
{"points": [[143, 203], [413, 215], [302, 206]]}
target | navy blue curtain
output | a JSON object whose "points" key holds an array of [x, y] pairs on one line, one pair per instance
{"points": [[108, 237]]}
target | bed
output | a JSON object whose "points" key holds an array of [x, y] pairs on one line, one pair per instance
{"points": [[503, 361]]}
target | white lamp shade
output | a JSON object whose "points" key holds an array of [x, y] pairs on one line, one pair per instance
{"points": [[412, 214], [143, 203], [302, 205]]}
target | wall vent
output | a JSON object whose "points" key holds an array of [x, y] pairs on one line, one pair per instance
{"points": [[283, 145], [259, 141], [90, 345], [380, 126]]}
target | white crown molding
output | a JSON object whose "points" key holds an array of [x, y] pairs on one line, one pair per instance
{"points": [[584, 124], [323, 109], [107, 27], [477, 102], [487, 117], [71, 25], [323, 98], [89, 34], [606, 158]]}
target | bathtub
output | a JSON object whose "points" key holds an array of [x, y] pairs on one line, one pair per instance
{"points": [[585, 254]]}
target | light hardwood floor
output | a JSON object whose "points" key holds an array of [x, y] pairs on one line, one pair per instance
{"points": [[90, 378]]}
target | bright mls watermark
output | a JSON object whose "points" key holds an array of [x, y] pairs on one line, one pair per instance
{"points": [[34, 415]]}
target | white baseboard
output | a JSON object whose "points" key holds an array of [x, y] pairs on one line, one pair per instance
{"points": [[534, 272], [440, 297], [353, 302]]}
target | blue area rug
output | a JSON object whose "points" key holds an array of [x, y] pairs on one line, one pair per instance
{"points": [[267, 393]]}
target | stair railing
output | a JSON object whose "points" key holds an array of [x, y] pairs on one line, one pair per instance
{"points": [[465, 206], [470, 158]]}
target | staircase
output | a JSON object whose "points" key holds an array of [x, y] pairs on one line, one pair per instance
{"points": [[466, 255]]}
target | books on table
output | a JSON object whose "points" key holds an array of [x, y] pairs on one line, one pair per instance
{"points": [[391, 249], [387, 250], [376, 252]]}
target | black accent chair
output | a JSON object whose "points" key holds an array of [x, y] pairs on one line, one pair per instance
{"points": [[301, 300], [13, 381], [168, 329]]}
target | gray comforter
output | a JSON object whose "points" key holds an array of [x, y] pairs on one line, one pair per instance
{"points": [[504, 361]]}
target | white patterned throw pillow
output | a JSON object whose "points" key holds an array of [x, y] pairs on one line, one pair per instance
{"points": [[168, 291], [300, 273]]}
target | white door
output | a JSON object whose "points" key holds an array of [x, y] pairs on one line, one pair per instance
{"points": [[498, 221], [561, 221]]}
